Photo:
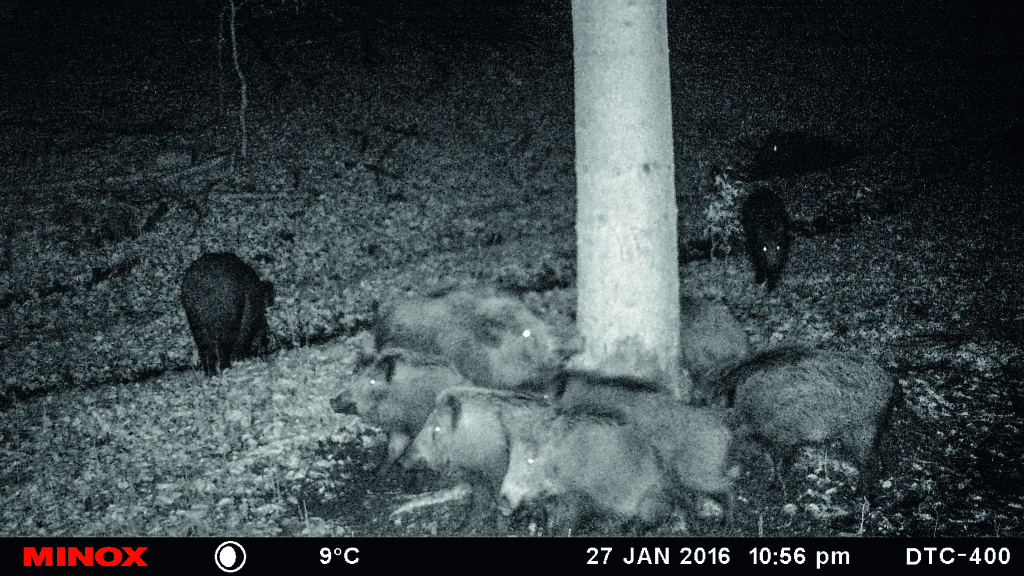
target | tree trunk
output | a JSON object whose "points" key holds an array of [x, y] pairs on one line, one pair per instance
{"points": [[627, 266]]}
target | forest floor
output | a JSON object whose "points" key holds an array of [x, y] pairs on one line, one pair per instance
{"points": [[435, 151]]}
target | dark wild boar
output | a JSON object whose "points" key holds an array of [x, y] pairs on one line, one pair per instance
{"points": [[766, 227], [225, 303]]}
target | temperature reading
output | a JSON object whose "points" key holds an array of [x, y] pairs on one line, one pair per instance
{"points": [[350, 555]]}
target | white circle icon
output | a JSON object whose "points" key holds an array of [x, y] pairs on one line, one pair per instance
{"points": [[229, 557]]}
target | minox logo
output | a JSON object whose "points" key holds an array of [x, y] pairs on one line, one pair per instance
{"points": [[70, 556]]}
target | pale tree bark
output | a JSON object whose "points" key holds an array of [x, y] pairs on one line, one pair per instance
{"points": [[627, 266]]}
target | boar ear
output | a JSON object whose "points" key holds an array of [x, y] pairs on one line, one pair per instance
{"points": [[455, 407], [386, 361], [389, 367]]}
